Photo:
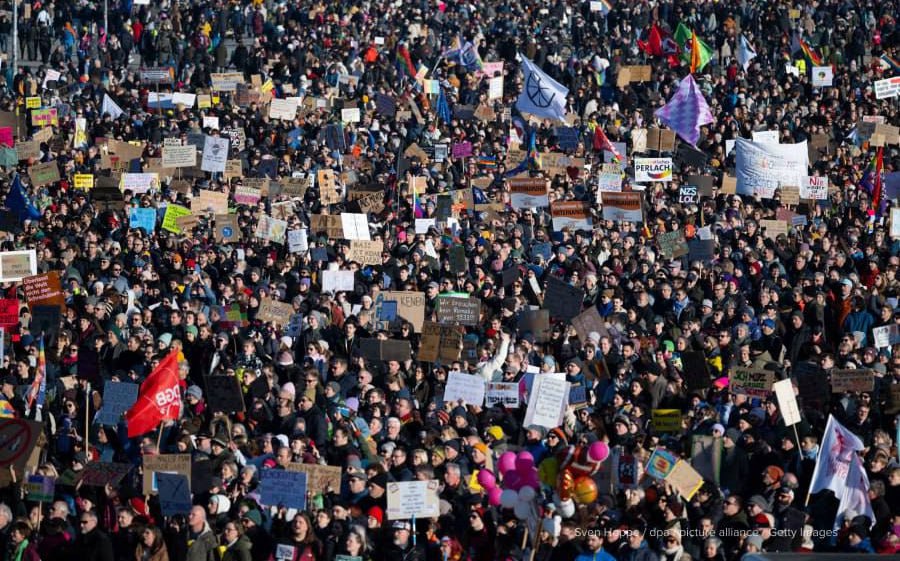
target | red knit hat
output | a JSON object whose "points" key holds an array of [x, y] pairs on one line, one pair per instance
{"points": [[376, 513]]}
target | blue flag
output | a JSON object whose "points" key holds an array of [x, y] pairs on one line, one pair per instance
{"points": [[542, 96], [19, 203], [443, 108]]}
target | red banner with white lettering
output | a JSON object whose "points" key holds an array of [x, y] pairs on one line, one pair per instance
{"points": [[159, 399]]}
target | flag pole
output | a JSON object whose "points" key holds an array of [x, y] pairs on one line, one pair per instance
{"points": [[87, 423], [159, 437]]}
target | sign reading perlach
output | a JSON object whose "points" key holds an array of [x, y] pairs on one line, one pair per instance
{"points": [[653, 169]]}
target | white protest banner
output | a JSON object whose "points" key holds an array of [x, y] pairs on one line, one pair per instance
{"points": [[16, 265], [765, 137], [528, 192], [350, 115], [574, 215], [284, 109], [423, 224], [653, 169], [337, 281], [139, 183], [179, 156], [186, 99], [215, 154], [609, 182], [787, 401], [762, 168], [297, 241], [887, 88], [504, 393], [408, 499], [495, 88], [355, 226], [466, 387], [625, 207], [547, 401], [814, 187], [822, 76], [886, 336]]}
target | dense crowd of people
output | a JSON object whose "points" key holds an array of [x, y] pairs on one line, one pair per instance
{"points": [[802, 304]]}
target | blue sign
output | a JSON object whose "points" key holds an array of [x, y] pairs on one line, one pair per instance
{"points": [[143, 218], [280, 487], [174, 493], [118, 397]]}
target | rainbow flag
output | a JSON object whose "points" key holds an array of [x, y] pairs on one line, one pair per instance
{"points": [[418, 210], [890, 63], [7, 411], [39, 386], [810, 53]]}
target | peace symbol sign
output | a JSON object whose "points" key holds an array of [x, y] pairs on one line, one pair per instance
{"points": [[536, 92]]}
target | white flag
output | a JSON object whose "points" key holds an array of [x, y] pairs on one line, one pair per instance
{"points": [[856, 494], [109, 106], [542, 96], [745, 53], [838, 447]]}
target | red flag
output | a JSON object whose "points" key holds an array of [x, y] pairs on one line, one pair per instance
{"points": [[879, 179], [602, 142], [653, 45], [159, 399]]}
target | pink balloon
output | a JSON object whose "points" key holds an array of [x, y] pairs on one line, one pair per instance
{"points": [[507, 462], [533, 482], [598, 452], [524, 462], [511, 479], [486, 479], [494, 496]]}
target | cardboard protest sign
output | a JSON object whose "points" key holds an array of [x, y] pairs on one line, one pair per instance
{"points": [[412, 499], [672, 245], [574, 215], [685, 480], [562, 299], [227, 230], [366, 252], [331, 225], [319, 477], [224, 394], [587, 322], [283, 488], [18, 438], [179, 156], [118, 397], [751, 381], [210, 201], [440, 343], [464, 387], [99, 474], [163, 463], [858, 380], [274, 311], [44, 174], [464, 311], [410, 306]]}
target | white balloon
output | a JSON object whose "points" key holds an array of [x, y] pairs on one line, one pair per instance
{"points": [[567, 508], [523, 510], [509, 498], [527, 494]]}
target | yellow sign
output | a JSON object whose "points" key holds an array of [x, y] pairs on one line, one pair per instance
{"points": [[666, 420], [204, 101], [169, 219], [33, 102], [84, 181]]}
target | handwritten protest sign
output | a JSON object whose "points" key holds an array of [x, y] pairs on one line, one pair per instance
{"points": [[667, 420], [408, 499], [283, 488], [163, 463], [99, 474], [464, 311], [503, 393], [319, 477], [752, 381], [858, 380], [466, 387], [547, 401]]}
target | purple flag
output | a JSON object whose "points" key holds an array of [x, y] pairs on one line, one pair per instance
{"points": [[686, 112]]}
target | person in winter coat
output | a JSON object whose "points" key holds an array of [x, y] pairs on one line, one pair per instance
{"points": [[23, 548], [152, 546], [93, 544], [201, 538], [636, 548], [235, 544]]}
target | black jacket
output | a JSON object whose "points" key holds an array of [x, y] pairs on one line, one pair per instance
{"points": [[94, 546]]}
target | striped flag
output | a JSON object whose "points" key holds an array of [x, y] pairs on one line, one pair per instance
{"points": [[855, 499], [687, 111], [809, 53]]}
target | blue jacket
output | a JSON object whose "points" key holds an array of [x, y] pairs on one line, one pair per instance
{"points": [[598, 556]]}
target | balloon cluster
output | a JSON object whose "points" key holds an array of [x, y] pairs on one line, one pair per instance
{"points": [[572, 472], [520, 483]]}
